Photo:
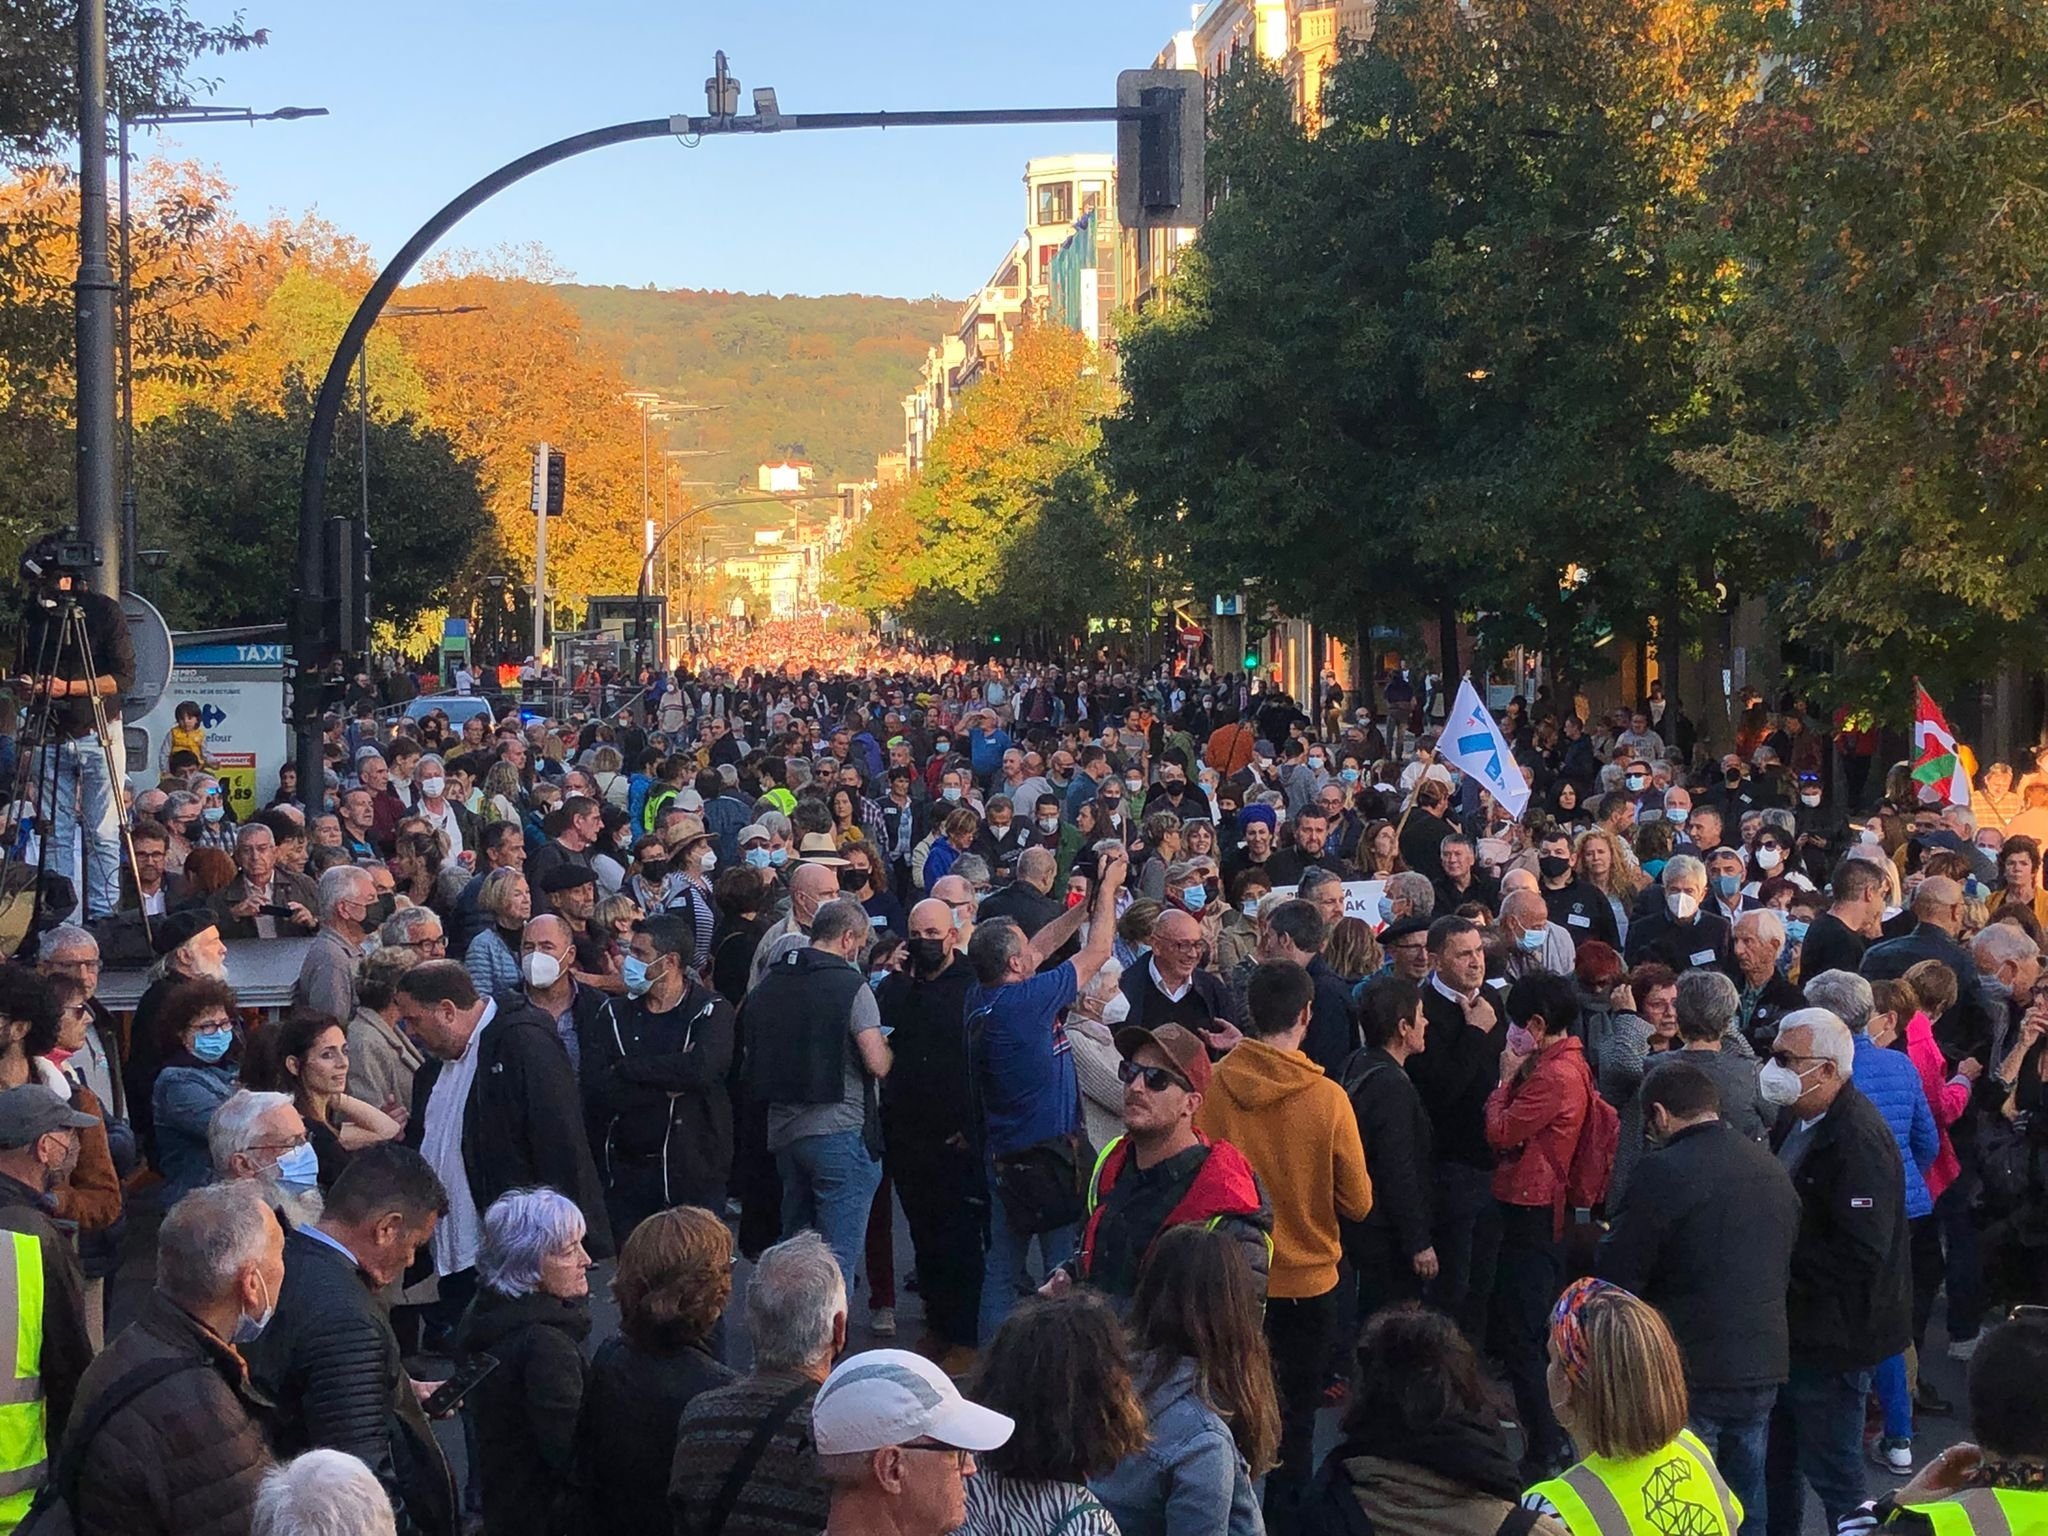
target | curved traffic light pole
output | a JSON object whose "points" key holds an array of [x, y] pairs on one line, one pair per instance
{"points": [[314, 634]]}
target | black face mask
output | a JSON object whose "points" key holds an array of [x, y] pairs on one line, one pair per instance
{"points": [[853, 879], [1552, 866], [380, 911], [927, 955], [654, 871]]}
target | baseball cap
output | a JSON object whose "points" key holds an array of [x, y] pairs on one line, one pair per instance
{"points": [[1181, 1047], [32, 1110], [752, 832], [887, 1397], [688, 800]]}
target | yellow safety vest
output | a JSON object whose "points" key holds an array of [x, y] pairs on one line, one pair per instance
{"points": [[1676, 1491], [1987, 1512], [23, 1437]]}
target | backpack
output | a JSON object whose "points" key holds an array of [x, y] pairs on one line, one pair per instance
{"points": [[1592, 1166]]}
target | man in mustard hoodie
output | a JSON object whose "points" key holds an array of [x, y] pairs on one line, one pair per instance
{"points": [[1295, 1127]]}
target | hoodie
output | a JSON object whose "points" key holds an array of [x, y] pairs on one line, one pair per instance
{"points": [[1295, 1126]]}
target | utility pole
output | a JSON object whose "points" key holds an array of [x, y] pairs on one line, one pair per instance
{"points": [[99, 521]]}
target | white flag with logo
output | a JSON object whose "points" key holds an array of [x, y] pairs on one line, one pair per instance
{"points": [[1472, 741]]}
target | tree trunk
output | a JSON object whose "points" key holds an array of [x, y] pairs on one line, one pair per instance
{"points": [[1362, 666], [1447, 639]]}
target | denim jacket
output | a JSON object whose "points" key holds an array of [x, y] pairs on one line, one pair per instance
{"points": [[1190, 1479]]}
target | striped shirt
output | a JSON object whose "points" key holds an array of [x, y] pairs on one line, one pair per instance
{"points": [[783, 1495], [1018, 1506]]}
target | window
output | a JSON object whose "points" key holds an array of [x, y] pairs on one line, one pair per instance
{"points": [[1091, 197], [1055, 202], [1045, 256]]}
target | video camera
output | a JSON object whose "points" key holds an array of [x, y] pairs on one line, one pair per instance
{"points": [[55, 559]]}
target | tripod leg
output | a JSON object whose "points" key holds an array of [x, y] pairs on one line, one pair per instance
{"points": [[117, 784]]}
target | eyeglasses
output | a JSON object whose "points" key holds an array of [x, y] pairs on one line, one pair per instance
{"points": [[1791, 1059], [962, 1460], [276, 1146], [1157, 1079]]}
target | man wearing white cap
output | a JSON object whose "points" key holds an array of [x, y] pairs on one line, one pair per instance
{"points": [[897, 1442]]}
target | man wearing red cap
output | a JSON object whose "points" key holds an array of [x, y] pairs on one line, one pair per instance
{"points": [[1162, 1172]]}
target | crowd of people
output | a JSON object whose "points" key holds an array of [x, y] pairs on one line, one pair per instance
{"points": [[1228, 1060]]}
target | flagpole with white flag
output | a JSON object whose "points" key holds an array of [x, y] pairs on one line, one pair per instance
{"points": [[1472, 741]]}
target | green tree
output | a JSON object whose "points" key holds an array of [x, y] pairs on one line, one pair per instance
{"points": [[220, 490], [1433, 360], [153, 50], [1885, 361]]}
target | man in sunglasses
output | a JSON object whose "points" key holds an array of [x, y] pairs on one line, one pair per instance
{"points": [[1162, 1172]]}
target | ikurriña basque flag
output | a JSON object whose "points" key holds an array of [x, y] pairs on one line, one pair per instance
{"points": [[1472, 741]]}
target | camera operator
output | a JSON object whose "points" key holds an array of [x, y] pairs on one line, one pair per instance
{"points": [[83, 804]]}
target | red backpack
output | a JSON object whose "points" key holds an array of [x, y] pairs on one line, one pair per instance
{"points": [[1592, 1166]]}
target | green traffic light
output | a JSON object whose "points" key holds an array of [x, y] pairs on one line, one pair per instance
{"points": [[995, 639], [1251, 661]]}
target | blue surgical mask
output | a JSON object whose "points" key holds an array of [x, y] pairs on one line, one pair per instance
{"points": [[778, 857], [212, 1044], [942, 747], [300, 1166], [1795, 930], [756, 857], [1532, 939], [1636, 781], [1726, 886], [214, 813], [1194, 897], [1676, 814], [951, 794], [1386, 911], [633, 970], [1348, 775]]}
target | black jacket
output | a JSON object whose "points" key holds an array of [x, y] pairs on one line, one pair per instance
{"points": [[185, 1457], [526, 1409], [330, 1363], [1778, 998], [1332, 1028], [1582, 910], [1966, 1029], [1422, 837], [1210, 988], [654, 1085], [1705, 1235], [626, 1434], [1395, 1132], [1831, 945], [1850, 1303], [520, 1124], [1455, 1071], [1657, 936], [1031, 907], [927, 1096]]}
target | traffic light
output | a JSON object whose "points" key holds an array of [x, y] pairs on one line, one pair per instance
{"points": [[558, 476], [1251, 659], [1159, 156]]}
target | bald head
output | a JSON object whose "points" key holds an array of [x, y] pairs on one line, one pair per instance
{"points": [[1518, 880], [1939, 901], [1036, 868], [1526, 910], [810, 887], [1176, 945], [932, 919]]}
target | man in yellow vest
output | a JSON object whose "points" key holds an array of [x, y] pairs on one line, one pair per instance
{"points": [[1997, 1486], [42, 1292]]}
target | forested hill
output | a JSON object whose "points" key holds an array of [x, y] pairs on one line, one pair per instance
{"points": [[817, 378]]}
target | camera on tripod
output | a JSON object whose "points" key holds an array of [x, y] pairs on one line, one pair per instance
{"points": [[54, 559]]}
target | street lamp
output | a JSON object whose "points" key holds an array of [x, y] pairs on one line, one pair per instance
{"points": [[651, 405], [158, 117]]}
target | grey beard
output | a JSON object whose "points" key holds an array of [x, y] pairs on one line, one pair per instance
{"points": [[299, 1207]]}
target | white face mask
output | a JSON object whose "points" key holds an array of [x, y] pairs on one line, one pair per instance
{"points": [[540, 969], [1780, 1085], [1768, 858], [1116, 1010], [1809, 797], [1048, 824], [707, 862], [432, 788], [1681, 904], [247, 1327]]}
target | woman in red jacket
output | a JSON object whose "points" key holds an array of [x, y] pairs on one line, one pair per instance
{"points": [[1533, 1122]]}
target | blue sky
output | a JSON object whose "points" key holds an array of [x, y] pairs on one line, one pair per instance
{"points": [[428, 96]]}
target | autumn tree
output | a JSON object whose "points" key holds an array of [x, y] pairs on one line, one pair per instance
{"points": [[1009, 526], [1885, 359]]}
